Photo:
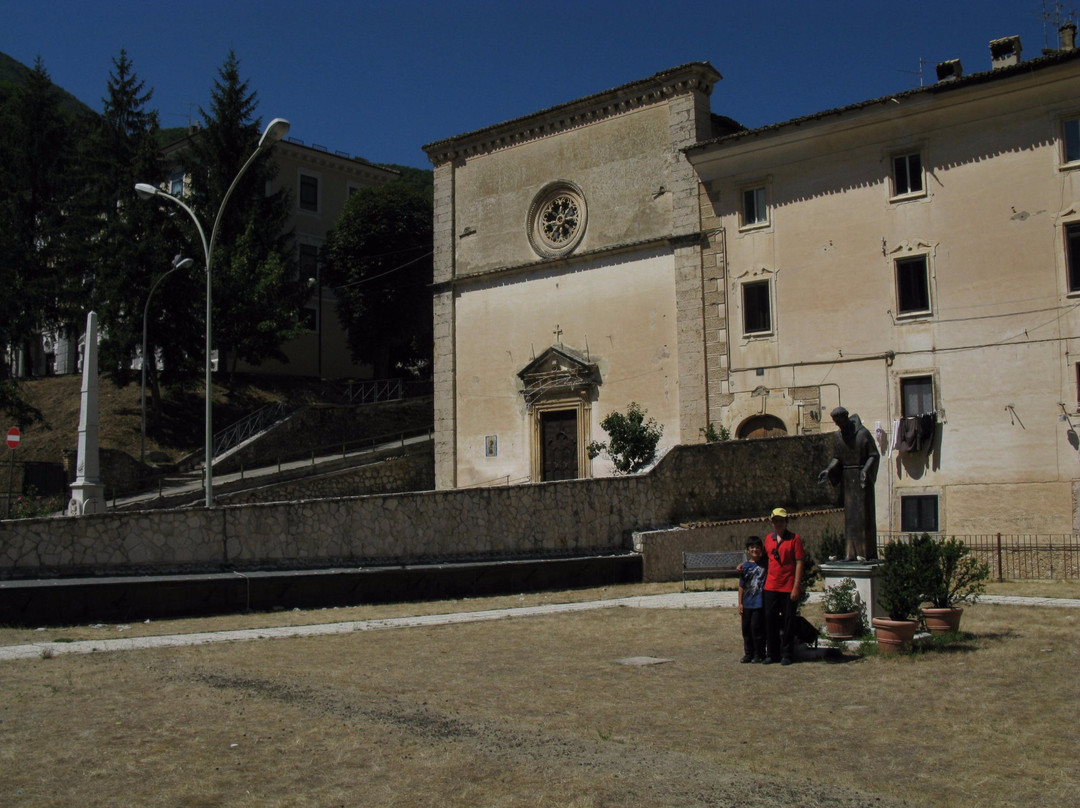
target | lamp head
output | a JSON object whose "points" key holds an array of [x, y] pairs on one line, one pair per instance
{"points": [[145, 190], [179, 262], [274, 131]]}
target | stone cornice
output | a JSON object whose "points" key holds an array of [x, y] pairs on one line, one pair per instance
{"points": [[695, 76], [336, 162], [672, 241]]}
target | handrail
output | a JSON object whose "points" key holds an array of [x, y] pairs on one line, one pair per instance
{"points": [[345, 448], [250, 425]]}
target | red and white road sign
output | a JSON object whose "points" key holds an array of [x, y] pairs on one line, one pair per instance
{"points": [[13, 438]]}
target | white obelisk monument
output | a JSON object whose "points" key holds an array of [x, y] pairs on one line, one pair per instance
{"points": [[87, 492]]}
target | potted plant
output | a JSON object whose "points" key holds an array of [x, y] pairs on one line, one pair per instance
{"points": [[843, 610], [956, 577], [901, 583]]}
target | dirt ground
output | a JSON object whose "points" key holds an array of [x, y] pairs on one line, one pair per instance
{"points": [[540, 711]]}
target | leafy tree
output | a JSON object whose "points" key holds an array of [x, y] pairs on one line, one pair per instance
{"points": [[257, 295], [378, 256], [632, 439]]}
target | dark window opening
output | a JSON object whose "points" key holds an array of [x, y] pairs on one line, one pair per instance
{"points": [[919, 514], [1072, 255], [757, 313], [916, 396], [754, 210], [1072, 140], [907, 174], [309, 193], [912, 286]]}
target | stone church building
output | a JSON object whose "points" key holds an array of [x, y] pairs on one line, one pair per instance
{"points": [[914, 258]]}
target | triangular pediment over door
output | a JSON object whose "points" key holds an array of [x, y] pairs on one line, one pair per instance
{"points": [[559, 387]]}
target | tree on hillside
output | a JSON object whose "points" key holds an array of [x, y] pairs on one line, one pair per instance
{"points": [[35, 183], [378, 258], [257, 295], [127, 244]]}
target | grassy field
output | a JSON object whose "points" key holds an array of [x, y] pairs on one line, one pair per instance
{"points": [[539, 711]]}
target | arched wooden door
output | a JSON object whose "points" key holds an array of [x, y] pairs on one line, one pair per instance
{"points": [[761, 426]]}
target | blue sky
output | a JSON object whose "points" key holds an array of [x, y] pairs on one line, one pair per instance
{"points": [[380, 79]]}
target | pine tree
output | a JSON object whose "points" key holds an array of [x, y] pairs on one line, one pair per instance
{"points": [[35, 156], [256, 292], [128, 243]]}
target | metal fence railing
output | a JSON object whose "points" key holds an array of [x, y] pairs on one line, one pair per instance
{"points": [[370, 392], [246, 427], [1019, 556]]}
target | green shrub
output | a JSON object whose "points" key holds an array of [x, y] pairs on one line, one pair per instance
{"points": [[632, 439], [903, 576], [955, 577]]}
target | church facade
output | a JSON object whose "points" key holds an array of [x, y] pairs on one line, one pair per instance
{"points": [[913, 258], [567, 281]]}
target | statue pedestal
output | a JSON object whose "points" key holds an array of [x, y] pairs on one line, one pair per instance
{"points": [[864, 573]]}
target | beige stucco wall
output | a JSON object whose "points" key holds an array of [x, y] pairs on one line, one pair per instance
{"points": [[1002, 325], [620, 164], [621, 309]]}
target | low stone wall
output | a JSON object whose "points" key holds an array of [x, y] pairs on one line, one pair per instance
{"points": [[721, 481], [661, 550]]}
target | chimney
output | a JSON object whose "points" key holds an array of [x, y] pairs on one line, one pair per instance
{"points": [[950, 70], [1004, 52], [1067, 36]]}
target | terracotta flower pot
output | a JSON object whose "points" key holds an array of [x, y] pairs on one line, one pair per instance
{"points": [[894, 635], [841, 626], [939, 621]]}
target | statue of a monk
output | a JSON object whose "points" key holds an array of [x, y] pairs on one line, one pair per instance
{"points": [[854, 468]]}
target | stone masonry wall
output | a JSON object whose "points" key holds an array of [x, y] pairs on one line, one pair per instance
{"points": [[662, 550], [692, 483]]}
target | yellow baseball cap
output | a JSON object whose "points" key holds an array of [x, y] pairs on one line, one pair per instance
{"points": [[779, 513]]}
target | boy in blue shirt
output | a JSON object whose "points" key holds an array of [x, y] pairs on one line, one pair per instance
{"points": [[751, 600]]}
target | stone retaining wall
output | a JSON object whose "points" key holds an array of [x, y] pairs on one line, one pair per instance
{"points": [[721, 481]]}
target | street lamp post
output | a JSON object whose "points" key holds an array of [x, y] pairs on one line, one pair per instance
{"points": [[178, 263], [275, 131]]}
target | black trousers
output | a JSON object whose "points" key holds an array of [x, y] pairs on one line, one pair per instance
{"points": [[780, 612], [753, 632]]}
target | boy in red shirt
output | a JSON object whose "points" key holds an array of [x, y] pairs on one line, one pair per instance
{"points": [[783, 589]]}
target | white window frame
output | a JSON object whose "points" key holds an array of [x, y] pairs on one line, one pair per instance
{"points": [[178, 183], [761, 206], [895, 192]]}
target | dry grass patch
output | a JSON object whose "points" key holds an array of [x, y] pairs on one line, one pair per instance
{"points": [[537, 712]]}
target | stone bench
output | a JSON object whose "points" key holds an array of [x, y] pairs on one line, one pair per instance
{"points": [[711, 565]]}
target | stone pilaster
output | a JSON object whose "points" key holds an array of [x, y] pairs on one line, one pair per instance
{"points": [[714, 280], [688, 117], [444, 363]]}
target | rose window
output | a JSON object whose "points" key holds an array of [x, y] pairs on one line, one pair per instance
{"points": [[557, 220]]}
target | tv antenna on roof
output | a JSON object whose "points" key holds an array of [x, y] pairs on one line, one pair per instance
{"points": [[1056, 15], [918, 72]]}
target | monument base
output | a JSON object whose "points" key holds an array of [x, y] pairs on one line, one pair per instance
{"points": [[86, 498], [863, 573]]}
